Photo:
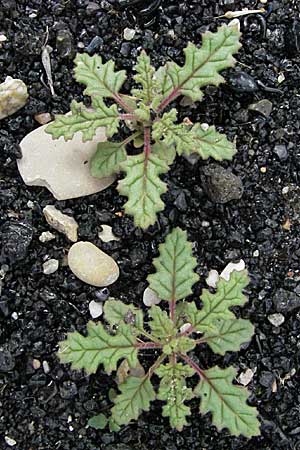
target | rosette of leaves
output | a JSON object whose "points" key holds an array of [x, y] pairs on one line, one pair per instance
{"points": [[170, 334], [156, 131]]}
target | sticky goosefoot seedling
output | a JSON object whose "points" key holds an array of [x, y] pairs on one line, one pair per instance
{"points": [[156, 131], [172, 336]]}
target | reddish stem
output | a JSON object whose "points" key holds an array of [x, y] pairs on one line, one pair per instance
{"points": [[147, 142], [127, 116], [122, 103], [146, 345], [174, 94], [192, 364]]}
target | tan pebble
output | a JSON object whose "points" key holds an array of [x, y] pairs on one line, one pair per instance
{"points": [[61, 222], [92, 265], [43, 118]]}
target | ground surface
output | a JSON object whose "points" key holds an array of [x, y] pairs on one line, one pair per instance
{"points": [[50, 410]]}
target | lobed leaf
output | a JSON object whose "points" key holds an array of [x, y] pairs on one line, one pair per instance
{"points": [[117, 312], [84, 120], [161, 325], [227, 402], [164, 152], [209, 143], [202, 66], [98, 347], [229, 335], [136, 395], [144, 77], [216, 306], [107, 159], [143, 187], [179, 135], [100, 79], [174, 391], [175, 265]]}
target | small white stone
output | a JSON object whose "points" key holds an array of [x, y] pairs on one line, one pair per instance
{"points": [[285, 190], [14, 316], [150, 297], [204, 126], [50, 266], [46, 236], [92, 265], [245, 377], [62, 167], [205, 224], [213, 278], [30, 204], [185, 327], [46, 367], [256, 253], [276, 319], [281, 78], [70, 419], [13, 96], [106, 235], [231, 267], [10, 441], [61, 222], [96, 309], [36, 364], [129, 34], [3, 38]]}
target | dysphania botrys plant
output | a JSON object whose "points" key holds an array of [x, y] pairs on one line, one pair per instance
{"points": [[155, 130], [172, 336]]}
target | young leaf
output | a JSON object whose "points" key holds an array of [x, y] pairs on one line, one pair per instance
{"points": [[106, 160], [98, 347], [100, 79], [201, 66], [229, 335], [143, 187], [117, 312], [175, 265], [178, 135], [144, 76], [179, 345], [85, 120], [174, 391], [227, 402], [98, 422], [216, 306], [165, 152], [136, 395], [161, 325], [209, 143]]}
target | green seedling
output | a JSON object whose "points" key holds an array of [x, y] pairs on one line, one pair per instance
{"points": [[129, 333], [156, 131]]}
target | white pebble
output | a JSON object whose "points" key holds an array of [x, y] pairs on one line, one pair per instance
{"points": [[205, 223], [96, 309], [213, 278], [3, 38], [106, 235], [10, 441], [185, 327], [256, 253], [46, 367], [276, 319], [13, 96], [245, 377], [231, 267], [36, 364], [129, 34], [150, 297], [285, 190], [30, 204], [46, 236], [15, 316], [50, 266]]}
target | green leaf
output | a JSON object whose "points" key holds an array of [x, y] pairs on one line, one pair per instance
{"points": [[100, 79], [98, 422], [144, 77], [209, 143], [165, 152], [227, 402], [174, 391], [107, 158], [98, 347], [84, 120], [175, 265], [179, 345], [117, 312], [143, 113], [178, 135], [229, 335], [136, 395], [143, 188], [161, 325], [216, 306], [201, 65]]}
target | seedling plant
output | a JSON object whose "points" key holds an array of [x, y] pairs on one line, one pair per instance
{"points": [[155, 129], [171, 336]]}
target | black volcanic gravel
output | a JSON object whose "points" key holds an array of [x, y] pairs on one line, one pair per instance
{"points": [[48, 408]]}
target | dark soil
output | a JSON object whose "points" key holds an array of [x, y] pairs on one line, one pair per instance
{"points": [[50, 410]]}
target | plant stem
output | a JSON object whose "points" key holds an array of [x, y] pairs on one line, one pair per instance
{"points": [[147, 144], [131, 138], [148, 345], [156, 365], [192, 364], [128, 116], [122, 103], [174, 94]]}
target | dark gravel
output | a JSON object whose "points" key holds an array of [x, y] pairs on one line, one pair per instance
{"points": [[48, 408]]}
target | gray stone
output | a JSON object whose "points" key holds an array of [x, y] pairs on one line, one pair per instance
{"points": [[64, 44], [263, 107], [7, 361], [281, 151], [285, 301], [16, 238], [276, 319], [221, 185], [50, 266], [92, 265]]}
